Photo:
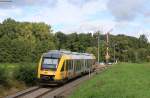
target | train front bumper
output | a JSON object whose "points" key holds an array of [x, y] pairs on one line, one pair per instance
{"points": [[49, 79]]}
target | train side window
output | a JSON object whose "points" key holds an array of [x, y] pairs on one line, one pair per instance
{"points": [[82, 62], [62, 69], [78, 64], [69, 64], [82, 66], [86, 63], [89, 63], [75, 64]]}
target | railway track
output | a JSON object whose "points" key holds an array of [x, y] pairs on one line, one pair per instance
{"points": [[65, 90], [33, 92], [53, 92]]}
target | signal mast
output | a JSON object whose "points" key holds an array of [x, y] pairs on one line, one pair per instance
{"points": [[107, 56]]}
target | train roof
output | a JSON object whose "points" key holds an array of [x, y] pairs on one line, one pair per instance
{"points": [[59, 53]]}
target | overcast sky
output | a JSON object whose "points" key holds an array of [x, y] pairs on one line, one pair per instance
{"points": [[130, 17]]}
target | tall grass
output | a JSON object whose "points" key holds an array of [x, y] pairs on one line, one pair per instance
{"points": [[120, 81], [16, 76], [3, 76], [17, 72], [26, 72]]}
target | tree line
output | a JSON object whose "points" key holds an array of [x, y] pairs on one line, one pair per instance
{"points": [[26, 41]]}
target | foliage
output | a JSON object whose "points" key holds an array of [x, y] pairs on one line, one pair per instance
{"points": [[9, 85], [126, 48], [3, 76], [25, 42], [129, 49], [124, 80], [26, 73]]}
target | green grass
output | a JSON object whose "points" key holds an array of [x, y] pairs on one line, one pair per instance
{"points": [[123, 80], [13, 85], [11, 67]]}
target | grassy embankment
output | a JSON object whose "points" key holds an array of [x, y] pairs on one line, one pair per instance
{"points": [[14, 77], [123, 80]]}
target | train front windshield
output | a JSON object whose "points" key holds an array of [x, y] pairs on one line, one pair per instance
{"points": [[50, 63]]}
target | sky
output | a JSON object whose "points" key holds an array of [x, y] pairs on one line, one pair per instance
{"points": [[129, 17]]}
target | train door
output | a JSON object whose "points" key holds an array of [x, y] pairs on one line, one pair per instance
{"points": [[74, 72], [84, 66], [69, 68], [65, 69]]}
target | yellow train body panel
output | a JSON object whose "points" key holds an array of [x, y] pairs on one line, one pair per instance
{"points": [[61, 75]]}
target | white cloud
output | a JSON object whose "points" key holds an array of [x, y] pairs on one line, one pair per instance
{"points": [[27, 3], [74, 15], [127, 10], [94, 7], [66, 12], [6, 13], [71, 16], [3, 14], [90, 26]]}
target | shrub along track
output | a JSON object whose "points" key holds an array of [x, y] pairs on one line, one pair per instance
{"points": [[54, 92]]}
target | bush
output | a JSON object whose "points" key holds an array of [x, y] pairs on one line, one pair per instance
{"points": [[26, 73], [3, 76]]}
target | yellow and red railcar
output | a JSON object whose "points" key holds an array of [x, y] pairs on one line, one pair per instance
{"points": [[57, 66]]}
